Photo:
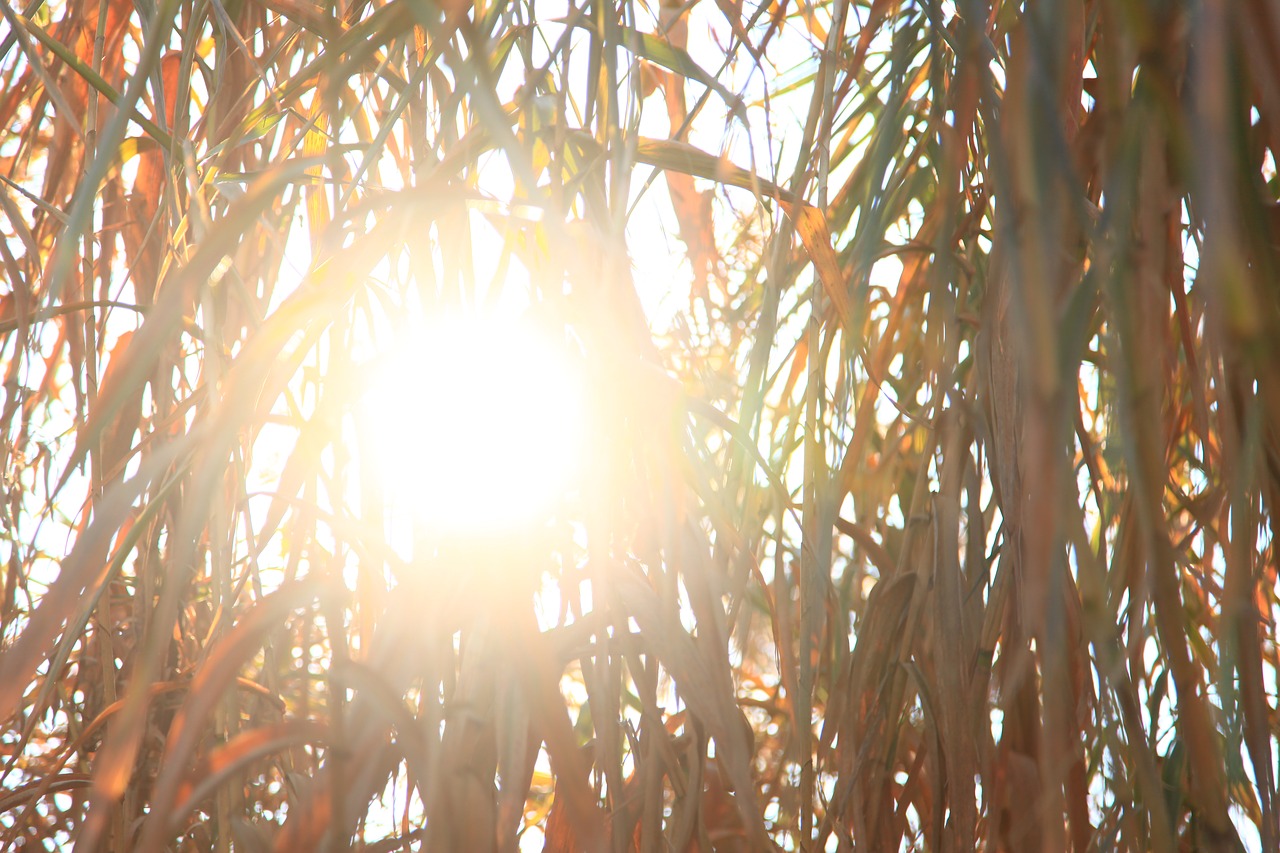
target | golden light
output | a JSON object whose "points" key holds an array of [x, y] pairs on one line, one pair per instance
{"points": [[478, 424]]}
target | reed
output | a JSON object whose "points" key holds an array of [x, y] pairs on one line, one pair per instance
{"points": [[927, 462]]}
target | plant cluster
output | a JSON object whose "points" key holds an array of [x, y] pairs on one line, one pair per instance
{"points": [[926, 499]]}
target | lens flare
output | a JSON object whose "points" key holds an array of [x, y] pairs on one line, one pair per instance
{"points": [[477, 425]]}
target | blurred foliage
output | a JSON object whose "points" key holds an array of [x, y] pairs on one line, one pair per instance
{"points": [[939, 513]]}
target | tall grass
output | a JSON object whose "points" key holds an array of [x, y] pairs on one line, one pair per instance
{"points": [[938, 513]]}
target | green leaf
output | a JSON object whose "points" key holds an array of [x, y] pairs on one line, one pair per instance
{"points": [[92, 78], [659, 51]]}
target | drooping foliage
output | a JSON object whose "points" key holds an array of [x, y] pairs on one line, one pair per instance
{"points": [[927, 499]]}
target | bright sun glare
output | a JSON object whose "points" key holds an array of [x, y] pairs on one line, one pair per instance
{"points": [[477, 424]]}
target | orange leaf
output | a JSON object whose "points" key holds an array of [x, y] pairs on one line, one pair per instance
{"points": [[812, 227]]}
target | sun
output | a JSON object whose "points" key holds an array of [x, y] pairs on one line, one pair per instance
{"points": [[477, 424]]}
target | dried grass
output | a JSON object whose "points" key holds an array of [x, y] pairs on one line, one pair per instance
{"points": [[941, 518]]}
